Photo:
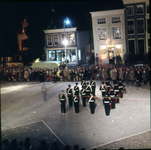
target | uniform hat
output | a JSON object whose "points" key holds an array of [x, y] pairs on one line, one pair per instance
{"points": [[69, 85], [102, 82], [76, 83], [87, 82]]}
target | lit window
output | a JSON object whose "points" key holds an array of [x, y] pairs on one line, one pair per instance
{"points": [[56, 39], [102, 21], [63, 37], [116, 20], [116, 32], [102, 33], [49, 38], [71, 38], [139, 9]]}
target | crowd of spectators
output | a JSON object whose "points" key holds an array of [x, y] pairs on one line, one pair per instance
{"points": [[27, 145], [78, 73]]}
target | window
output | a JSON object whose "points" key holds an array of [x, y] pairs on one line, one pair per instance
{"points": [[148, 42], [102, 21], [130, 27], [116, 32], [141, 46], [147, 8], [140, 26], [139, 9], [63, 36], [49, 38], [116, 20], [131, 46], [56, 39], [71, 38], [130, 10], [148, 26], [102, 33]]}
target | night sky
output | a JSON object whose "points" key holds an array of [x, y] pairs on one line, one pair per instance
{"points": [[74, 10]]}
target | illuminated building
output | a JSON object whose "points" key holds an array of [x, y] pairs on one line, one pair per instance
{"points": [[108, 34]]}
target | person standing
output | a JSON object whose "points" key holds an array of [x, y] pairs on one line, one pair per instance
{"points": [[76, 90], [144, 75], [83, 95], [107, 103], [127, 77], [93, 86], [112, 97], [69, 94], [116, 89], [131, 76], [62, 99], [88, 90], [76, 103], [91, 102], [138, 78], [83, 83], [103, 89], [121, 75], [114, 75]]}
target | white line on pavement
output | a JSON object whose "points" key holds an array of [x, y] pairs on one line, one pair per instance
{"points": [[119, 139], [53, 132], [13, 86]]}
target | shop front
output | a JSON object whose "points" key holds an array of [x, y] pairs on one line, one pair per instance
{"points": [[60, 55], [108, 53]]}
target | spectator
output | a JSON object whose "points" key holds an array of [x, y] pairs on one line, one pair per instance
{"points": [[27, 144], [6, 145], [43, 145]]}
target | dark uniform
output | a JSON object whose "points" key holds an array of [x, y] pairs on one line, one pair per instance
{"points": [[76, 104], [108, 86], [69, 94], [76, 90], [116, 89], [83, 83], [121, 89], [112, 97], [103, 89], [91, 102], [107, 103], [88, 90], [83, 95], [93, 86], [62, 100]]}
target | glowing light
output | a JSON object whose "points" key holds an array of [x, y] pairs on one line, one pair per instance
{"points": [[65, 42]]}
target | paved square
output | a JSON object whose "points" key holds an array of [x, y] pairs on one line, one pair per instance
{"points": [[24, 103]]}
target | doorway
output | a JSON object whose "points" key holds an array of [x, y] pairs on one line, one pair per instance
{"points": [[111, 57]]}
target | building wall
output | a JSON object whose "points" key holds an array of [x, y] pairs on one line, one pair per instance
{"points": [[109, 41], [136, 37]]}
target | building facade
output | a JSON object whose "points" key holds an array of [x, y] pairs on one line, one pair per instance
{"points": [[55, 49], [137, 26], [108, 35]]}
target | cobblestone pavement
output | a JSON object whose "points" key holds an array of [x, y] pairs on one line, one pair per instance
{"points": [[26, 111]]}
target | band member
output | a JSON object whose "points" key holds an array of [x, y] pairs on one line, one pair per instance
{"points": [[107, 103], [93, 86], [108, 85], [69, 94], [76, 89], [76, 103], [103, 89], [83, 95], [121, 89], [62, 100], [116, 89], [112, 97], [88, 90], [91, 102], [83, 83]]}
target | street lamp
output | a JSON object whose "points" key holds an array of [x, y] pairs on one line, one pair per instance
{"points": [[65, 42]]}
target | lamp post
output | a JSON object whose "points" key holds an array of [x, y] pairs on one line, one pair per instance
{"points": [[65, 42]]}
